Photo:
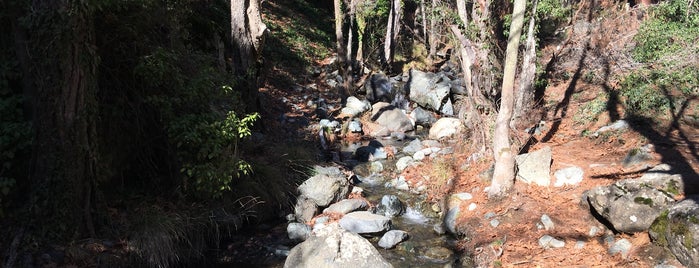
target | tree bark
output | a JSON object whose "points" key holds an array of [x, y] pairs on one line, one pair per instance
{"points": [[340, 47], [525, 93], [504, 172], [65, 154], [433, 31], [392, 30], [248, 33]]}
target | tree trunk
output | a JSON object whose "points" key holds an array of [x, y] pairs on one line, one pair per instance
{"points": [[504, 172], [65, 154], [248, 33], [433, 31], [525, 93], [424, 21], [392, 30], [339, 46]]}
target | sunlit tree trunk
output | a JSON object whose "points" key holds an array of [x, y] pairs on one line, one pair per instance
{"points": [[392, 31], [504, 172], [525, 92], [433, 30], [65, 154], [248, 33]]}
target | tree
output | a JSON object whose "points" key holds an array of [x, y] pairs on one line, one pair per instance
{"points": [[65, 154], [248, 33], [525, 93], [504, 171], [392, 31]]}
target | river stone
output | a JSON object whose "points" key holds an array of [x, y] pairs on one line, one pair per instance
{"points": [[404, 162], [535, 167], [305, 209], [678, 230], [439, 253], [447, 108], [355, 106], [446, 127], [364, 222], [346, 206], [401, 184], [390, 117], [450, 220], [428, 90], [328, 186], [455, 200], [631, 205], [548, 241], [412, 147], [298, 231], [422, 117], [391, 238], [419, 155], [390, 206], [376, 167], [568, 176], [355, 126], [334, 247]]}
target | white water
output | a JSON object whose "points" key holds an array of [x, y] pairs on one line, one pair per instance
{"points": [[414, 216]]}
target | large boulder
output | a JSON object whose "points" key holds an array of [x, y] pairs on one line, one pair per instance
{"points": [[631, 205], [678, 229], [446, 127], [429, 90], [379, 88], [535, 167], [329, 185], [334, 247], [422, 117], [305, 209], [364, 222], [391, 118]]}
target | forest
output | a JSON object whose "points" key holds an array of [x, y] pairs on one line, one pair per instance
{"points": [[153, 133]]}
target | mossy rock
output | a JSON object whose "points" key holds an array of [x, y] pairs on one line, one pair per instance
{"points": [[677, 229]]}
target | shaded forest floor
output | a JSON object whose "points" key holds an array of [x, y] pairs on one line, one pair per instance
{"points": [[579, 68]]}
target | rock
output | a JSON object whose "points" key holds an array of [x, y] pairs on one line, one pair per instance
{"points": [[379, 88], [535, 167], [419, 155], [334, 247], [363, 222], [390, 117], [390, 206], [355, 126], [677, 229], [355, 107], [450, 220], [638, 155], [618, 125], [399, 136], [412, 147], [346, 206], [403, 163], [372, 152], [327, 187], [621, 246], [548, 241], [631, 205], [579, 244], [547, 222], [376, 167], [428, 90], [446, 127], [447, 108], [455, 200], [298, 231], [439, 253], [568, 176], [391, 238], [422, 117], [305, 209], [401, 184], [494, 223]]}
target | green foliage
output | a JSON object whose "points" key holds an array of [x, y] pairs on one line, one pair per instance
{"points": [[672, 26], [649, 92], [198, 107], [589, 111]]}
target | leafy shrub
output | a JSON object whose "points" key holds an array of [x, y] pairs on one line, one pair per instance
{"points": [[200, 111], [670, 28], [589, 111]]}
